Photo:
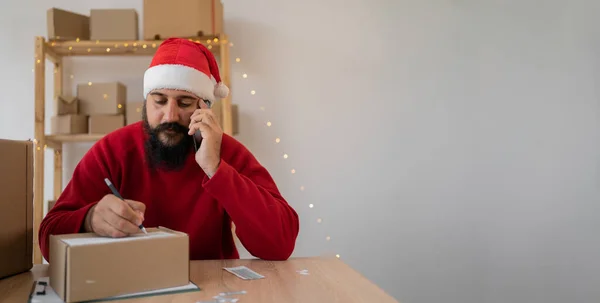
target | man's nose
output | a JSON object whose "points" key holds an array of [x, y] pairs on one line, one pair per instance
{"points": [[171, 113]]}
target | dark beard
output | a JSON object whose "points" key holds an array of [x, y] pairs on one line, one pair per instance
{"points": [[161, 155]]}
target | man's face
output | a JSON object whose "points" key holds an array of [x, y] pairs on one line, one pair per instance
{"points": [[166, 116]]}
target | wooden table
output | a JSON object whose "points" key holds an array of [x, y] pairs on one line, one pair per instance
{"points": [[329, 280]]}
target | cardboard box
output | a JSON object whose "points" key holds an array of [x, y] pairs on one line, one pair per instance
{"points": [[69, 124], [235, 119], [16, 207], [113, 24], [66, 25], [88, 267], [67, 105], [51, 204], [134, 112], [182, 18], [104, 124], [102, 98]]}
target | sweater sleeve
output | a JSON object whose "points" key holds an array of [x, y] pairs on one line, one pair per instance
{"points": [[83, 191], [265, 223]]}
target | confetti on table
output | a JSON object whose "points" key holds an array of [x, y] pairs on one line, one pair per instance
{"points": [[303, 272]]}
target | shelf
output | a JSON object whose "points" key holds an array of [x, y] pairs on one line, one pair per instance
{"points": [[74, 138], [120, 48]]}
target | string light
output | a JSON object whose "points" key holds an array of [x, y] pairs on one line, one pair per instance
{"points": [[90, 83], [277, 139]]}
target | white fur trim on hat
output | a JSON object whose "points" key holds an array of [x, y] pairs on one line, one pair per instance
{"points": [[176, 76]]}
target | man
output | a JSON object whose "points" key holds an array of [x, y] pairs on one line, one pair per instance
{"points": [[176, 168]]}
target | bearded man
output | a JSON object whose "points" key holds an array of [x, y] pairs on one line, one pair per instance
{"points": [[176, 168]]}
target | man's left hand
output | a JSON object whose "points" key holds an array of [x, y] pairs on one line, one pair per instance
{"points": [[208, 155]]}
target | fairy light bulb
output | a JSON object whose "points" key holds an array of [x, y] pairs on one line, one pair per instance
{"points": [[90, 83], [337, 256], [285, 156], [277, 140], [269, 123], [328, 238], [238, 59], [244, 76], [311, 205], [293, 171], [319, 220], [253, 92]]}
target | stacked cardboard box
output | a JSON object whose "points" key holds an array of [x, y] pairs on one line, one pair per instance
{"points": [[67, 25], [162, 19], [134, 112], [182, 18], [100, 24], [68, 120], [105, 104], [113, 24]]}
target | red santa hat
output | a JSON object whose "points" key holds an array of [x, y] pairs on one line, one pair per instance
{"points": [[185, 65]]}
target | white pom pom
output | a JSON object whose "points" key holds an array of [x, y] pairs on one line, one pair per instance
{"points": [[221, 90]]}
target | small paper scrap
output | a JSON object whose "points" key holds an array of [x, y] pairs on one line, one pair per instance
{"points": [[303, 272], [244, 273], [222, 297]]}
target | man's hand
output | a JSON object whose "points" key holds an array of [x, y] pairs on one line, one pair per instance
{"points": [[114, 218], [209, 153]]}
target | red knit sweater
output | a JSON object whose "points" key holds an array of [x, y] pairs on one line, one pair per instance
{"points": [[241, 191]]}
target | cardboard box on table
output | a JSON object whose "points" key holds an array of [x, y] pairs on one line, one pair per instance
{"points": [[113, 24], [87, 267], [104, 124], [182, 18], [16, 207], [134, 112], [67, 25], [107, 98]]}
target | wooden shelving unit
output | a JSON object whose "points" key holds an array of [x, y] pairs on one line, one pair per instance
{"points": [[55, 51]]}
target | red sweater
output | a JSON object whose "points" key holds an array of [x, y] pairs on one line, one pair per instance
{"points": [[241, 191]]}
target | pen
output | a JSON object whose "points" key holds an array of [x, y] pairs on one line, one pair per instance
{"points": [[116, 193]]}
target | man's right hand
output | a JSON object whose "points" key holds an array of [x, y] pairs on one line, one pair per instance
{"points": [[113, 217]]}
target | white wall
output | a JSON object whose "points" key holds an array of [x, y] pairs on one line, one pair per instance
{"points": [[450, 147]]}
